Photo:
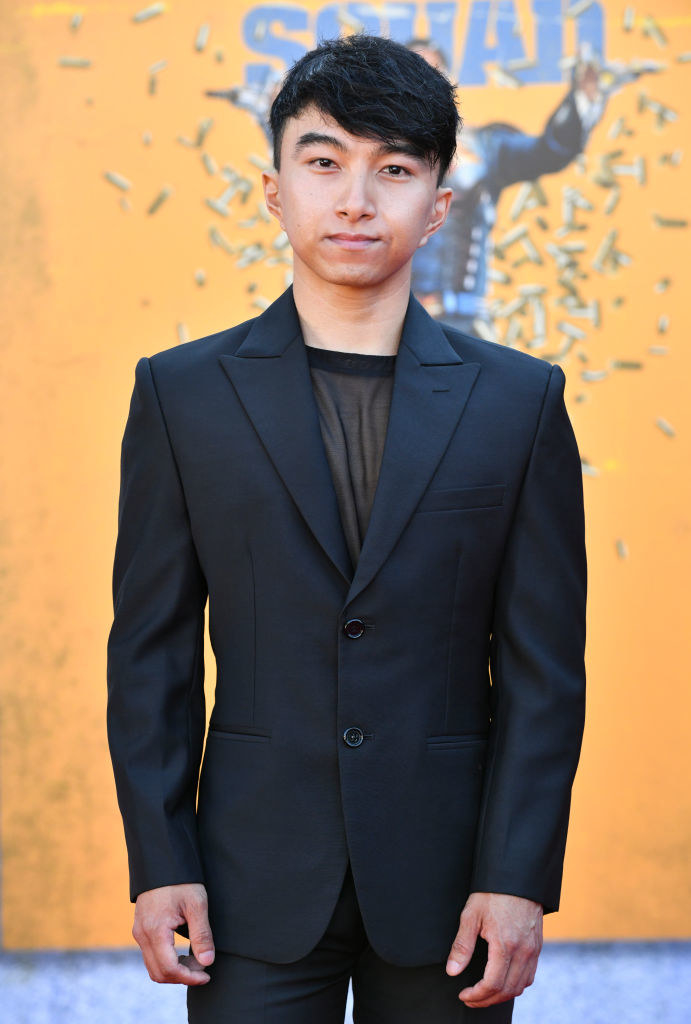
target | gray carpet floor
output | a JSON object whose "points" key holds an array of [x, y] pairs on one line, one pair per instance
{"points": [[594, 983]]}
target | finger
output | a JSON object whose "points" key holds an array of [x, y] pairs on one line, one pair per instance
{"points": [[489, 988], [201, 939], [163, 963], [463, 945], [189, 960]]}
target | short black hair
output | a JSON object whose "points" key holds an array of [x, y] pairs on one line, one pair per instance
{"points": [[375, 88]]}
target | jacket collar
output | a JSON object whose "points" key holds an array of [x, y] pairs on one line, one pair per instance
{"points": [[432, 384]]}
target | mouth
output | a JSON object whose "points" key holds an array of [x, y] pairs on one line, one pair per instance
{"points": [[353, 242]]}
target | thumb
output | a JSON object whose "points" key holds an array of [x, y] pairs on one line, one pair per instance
{"points": [[201, 939], [463, 945]]}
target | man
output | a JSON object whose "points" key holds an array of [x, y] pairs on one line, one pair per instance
{"points": [[382, 512]]}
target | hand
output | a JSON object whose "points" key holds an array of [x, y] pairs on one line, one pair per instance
{"points": [[157, 913], [512, 927]]}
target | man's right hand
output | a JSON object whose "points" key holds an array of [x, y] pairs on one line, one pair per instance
{"points": [[157, 913]]}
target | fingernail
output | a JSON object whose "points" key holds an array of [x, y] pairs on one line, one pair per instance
{"points": [[206, 958], [452, 967]]}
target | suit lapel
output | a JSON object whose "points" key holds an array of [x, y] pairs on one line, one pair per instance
{"points": [[271, 376], [270, 373], [430, 389]]}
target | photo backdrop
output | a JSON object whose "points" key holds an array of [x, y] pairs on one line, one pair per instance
{"points": [[132, 220]]}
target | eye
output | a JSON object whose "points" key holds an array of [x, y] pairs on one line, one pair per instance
{"points": [[322, 161], [396, 171]]}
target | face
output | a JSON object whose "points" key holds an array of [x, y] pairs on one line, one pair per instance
{"points": [[354, 210]]}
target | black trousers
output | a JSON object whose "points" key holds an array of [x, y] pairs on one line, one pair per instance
{"points": [[314, 989]]}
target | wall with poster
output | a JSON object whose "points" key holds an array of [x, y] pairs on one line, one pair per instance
{"points": [[132, 220]]}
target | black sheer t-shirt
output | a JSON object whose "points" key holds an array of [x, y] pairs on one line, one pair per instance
{"points": [[353, 395]]}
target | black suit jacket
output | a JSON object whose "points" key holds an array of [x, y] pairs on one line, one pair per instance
{"points": [[437, 748]]}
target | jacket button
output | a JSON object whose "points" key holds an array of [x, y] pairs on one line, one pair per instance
{"points": [[354, 628], [353, 737]]}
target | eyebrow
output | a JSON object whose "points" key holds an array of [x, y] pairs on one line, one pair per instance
{"points": [[318, 138]]}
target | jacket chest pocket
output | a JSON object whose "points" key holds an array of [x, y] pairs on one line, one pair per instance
{"points": [[450, 499]]}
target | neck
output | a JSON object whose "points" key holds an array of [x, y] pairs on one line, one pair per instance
{"points": [[347, 318]]}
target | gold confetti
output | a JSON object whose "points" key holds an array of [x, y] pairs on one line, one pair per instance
{"points": [[622, 549], [200, 276], [571, 330], [629, 18], [514, 332], [665, 427], [164, 194], [504, 78], [209, 164], [613, 200], [202, 37], [74, 62], [183, 333], [521, 63], [662, 324], [149, 12], [76, 21], [652, 29], [635, 170], [347, 20], [118, 180], [500, 276], [578, 8], [218, 207], [218, 239], [670, 222], [281, 241], [662, 285], [203, 130], [626, 364]]}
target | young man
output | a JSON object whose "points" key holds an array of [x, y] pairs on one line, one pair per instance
{"points": [[382, 511]]}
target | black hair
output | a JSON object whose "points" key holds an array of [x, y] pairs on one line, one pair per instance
{"points": [[375, 88], [425, 43]]}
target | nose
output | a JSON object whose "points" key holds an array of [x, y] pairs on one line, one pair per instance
{"points": [[356, 200]]}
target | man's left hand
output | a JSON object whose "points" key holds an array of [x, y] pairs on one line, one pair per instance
{"points": [[512, 928]]}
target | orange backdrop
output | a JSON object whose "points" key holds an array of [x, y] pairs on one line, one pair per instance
{"points": [[91, 281]]}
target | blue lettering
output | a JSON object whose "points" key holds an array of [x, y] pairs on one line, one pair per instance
{"points": [[329, 25], [590, 28], [477, 51], [549, 42], [399, 20], [441, 18], [259, 38]]}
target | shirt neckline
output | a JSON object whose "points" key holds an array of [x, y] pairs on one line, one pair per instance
{"points": [[366, 363]]}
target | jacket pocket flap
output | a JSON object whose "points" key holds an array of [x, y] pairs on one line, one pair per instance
{"points": [[448, 498]]}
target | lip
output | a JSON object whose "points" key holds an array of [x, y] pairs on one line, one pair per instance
{"points": [[353, 242]]}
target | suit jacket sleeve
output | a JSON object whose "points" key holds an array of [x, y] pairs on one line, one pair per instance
{"points": [[537, 671], [155, 654]]}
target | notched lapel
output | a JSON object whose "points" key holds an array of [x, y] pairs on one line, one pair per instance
{"points": [[270, 373], [431, 387]]}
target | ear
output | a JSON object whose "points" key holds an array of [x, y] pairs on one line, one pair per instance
{"points": [[439, 213], [271, 195]]}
